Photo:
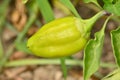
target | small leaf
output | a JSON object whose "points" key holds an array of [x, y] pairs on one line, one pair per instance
{"points": [[115, 75], [93, 52], [112, 6], [115, 38]]}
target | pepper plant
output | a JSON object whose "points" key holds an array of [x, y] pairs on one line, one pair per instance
{"points": [[60, 38], [66, 36]]}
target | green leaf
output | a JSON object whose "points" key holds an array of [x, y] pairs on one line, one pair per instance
{"points": [[46, 10], [70, 6], [93, 52], [92, 1], [112, 6], [115, 39], [115, 75], [108, 1]]}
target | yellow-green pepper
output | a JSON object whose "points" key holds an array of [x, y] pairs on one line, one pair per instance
{"points": [[61, 37]]}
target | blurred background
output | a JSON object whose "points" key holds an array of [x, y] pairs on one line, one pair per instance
{"points": [[19, 20]]}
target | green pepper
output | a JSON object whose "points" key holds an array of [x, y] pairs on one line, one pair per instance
{"points": [[61, 37]]}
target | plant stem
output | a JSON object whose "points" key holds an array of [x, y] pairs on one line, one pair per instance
{"points": [[64, 68], [32, 16], [72, 62], [20, 42], [89, 22], [27, 26], [97, 9]]}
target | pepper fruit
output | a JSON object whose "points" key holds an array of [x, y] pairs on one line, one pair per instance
{"points": [[62, 37]]}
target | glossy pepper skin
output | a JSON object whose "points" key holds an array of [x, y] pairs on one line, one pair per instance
{"points": [[60, 38]]}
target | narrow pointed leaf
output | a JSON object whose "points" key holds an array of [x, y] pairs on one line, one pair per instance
{"points": [[46, 10], [93, 52], [115, 38]]}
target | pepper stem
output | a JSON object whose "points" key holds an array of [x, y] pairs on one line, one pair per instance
{"points": [[89, 22]]}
